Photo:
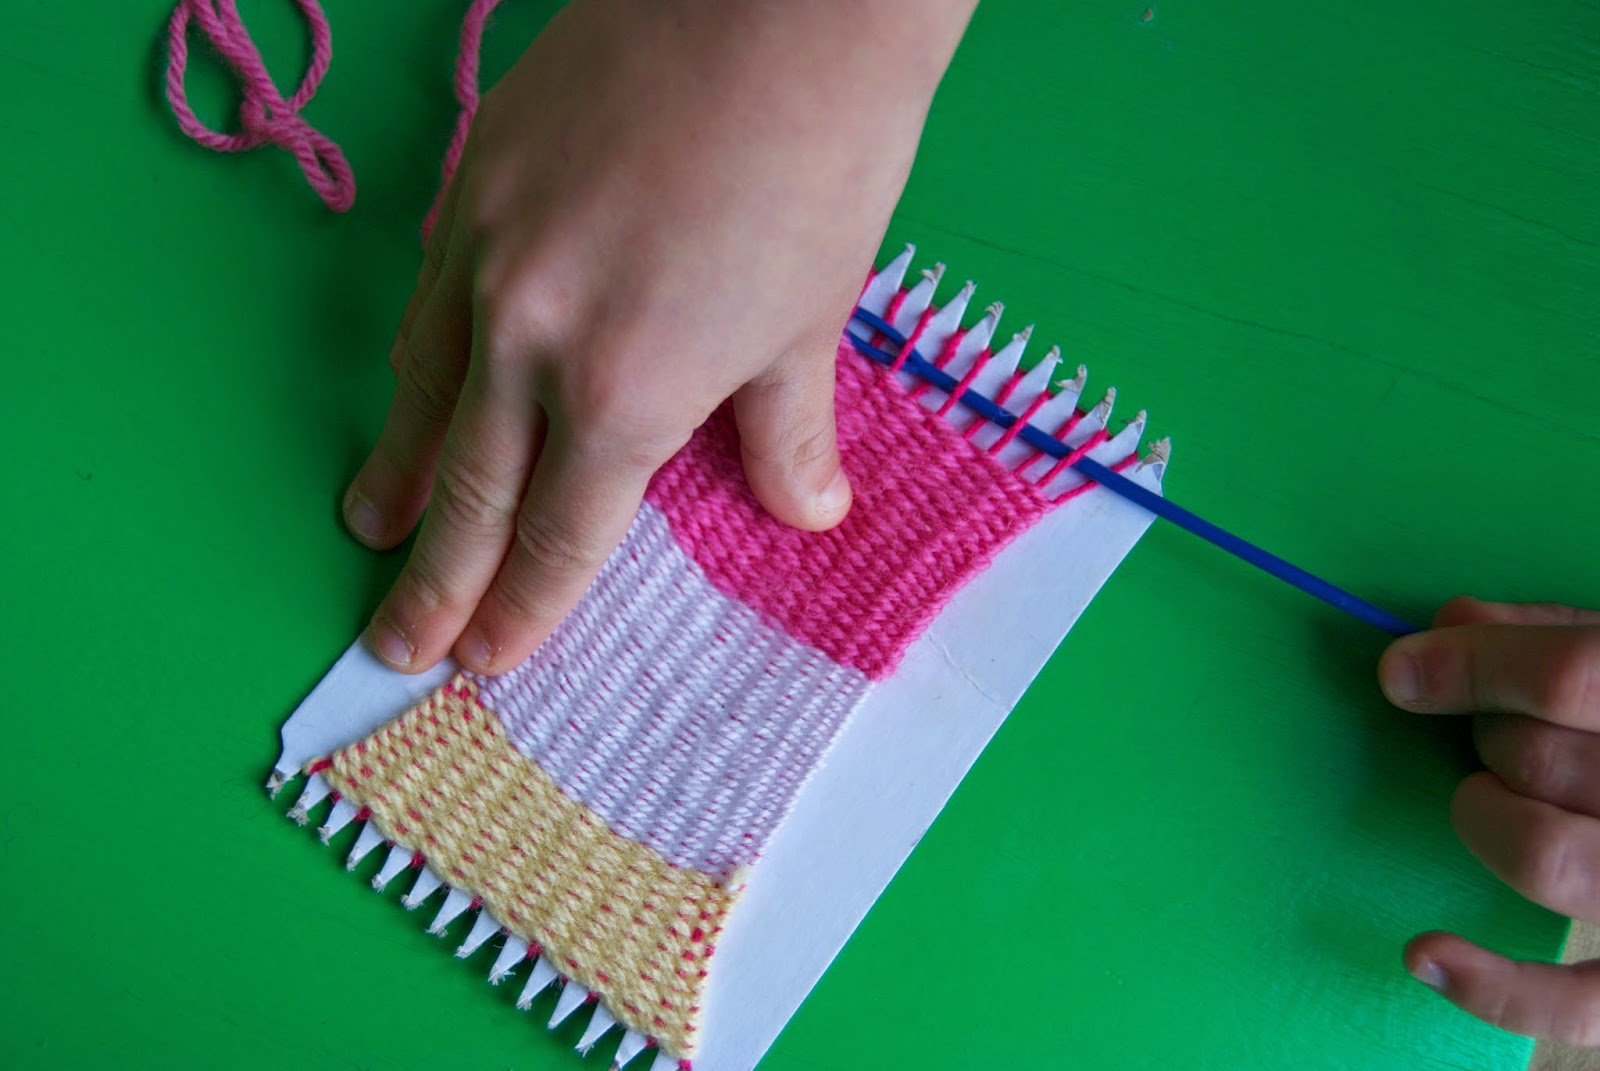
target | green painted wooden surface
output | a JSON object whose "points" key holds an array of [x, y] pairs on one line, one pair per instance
{"points": [[1347, 258]]}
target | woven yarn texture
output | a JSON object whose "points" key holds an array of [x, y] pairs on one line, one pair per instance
{"points": [[605, 798], [930, 511], [615, 916], [677, 714]]}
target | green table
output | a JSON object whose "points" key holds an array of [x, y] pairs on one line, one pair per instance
{"points": [[1347, 260]]}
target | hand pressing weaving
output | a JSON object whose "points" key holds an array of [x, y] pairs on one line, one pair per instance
{"points": [[661, 207]]}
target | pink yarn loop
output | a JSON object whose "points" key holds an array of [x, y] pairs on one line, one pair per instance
{"points": [[265, 117]]}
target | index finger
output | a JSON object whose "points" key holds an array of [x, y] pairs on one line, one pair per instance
{"points": [[578, 507], [1551, 673], [1464, 610]]}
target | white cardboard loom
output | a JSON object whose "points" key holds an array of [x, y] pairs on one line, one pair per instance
{"points": [[889, 774]]}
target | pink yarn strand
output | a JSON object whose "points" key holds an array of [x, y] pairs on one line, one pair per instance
{"points": [[466, 84], [265, 117]]}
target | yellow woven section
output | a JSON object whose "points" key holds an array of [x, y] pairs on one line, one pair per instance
{"points": [[609, 912]]}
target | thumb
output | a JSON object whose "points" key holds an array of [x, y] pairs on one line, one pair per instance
{"points": [[1544, 1000], [1551, 673], [791, 453]]}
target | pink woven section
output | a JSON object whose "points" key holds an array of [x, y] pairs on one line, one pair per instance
{"points": [[930, 511]]}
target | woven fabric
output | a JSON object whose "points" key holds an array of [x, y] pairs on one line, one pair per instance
{"points": [[680, 716], [930, 511], [604, 798], [443, 780]]}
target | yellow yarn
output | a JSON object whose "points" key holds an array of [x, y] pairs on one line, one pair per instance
{"points": [[606, 911]]}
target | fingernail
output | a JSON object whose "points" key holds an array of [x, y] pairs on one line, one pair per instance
{"points": [[478, 653], [836, 496], [1402, 678], [1431, 975], [362, 516], [391, 646]]}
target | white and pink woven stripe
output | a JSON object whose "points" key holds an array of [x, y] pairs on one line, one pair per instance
{"points": [[674, 712]]}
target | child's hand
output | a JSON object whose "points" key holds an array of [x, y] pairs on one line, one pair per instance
{"points": [[662, 206], [1531, 675]]}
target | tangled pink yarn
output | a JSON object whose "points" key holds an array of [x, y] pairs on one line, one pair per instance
{"points": [[266, 118]]}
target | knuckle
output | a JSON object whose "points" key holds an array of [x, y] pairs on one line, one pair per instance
{"points": [[1580, 1028], [433, 253], [468, 498], [424, 591], [800, 446], [817, 445], [521, 307], [1542, 868], [553, 547], [522, 606], [1537, 763], [1583, 1029], [601, 401], [610, 419], [1572, 688], [644, 448], [1459, 661], [1461, 610], [1497, 1008], [426, 388], [421, 590]]}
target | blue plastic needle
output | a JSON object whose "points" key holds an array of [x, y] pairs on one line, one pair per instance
{"points": [[915, 364]]}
